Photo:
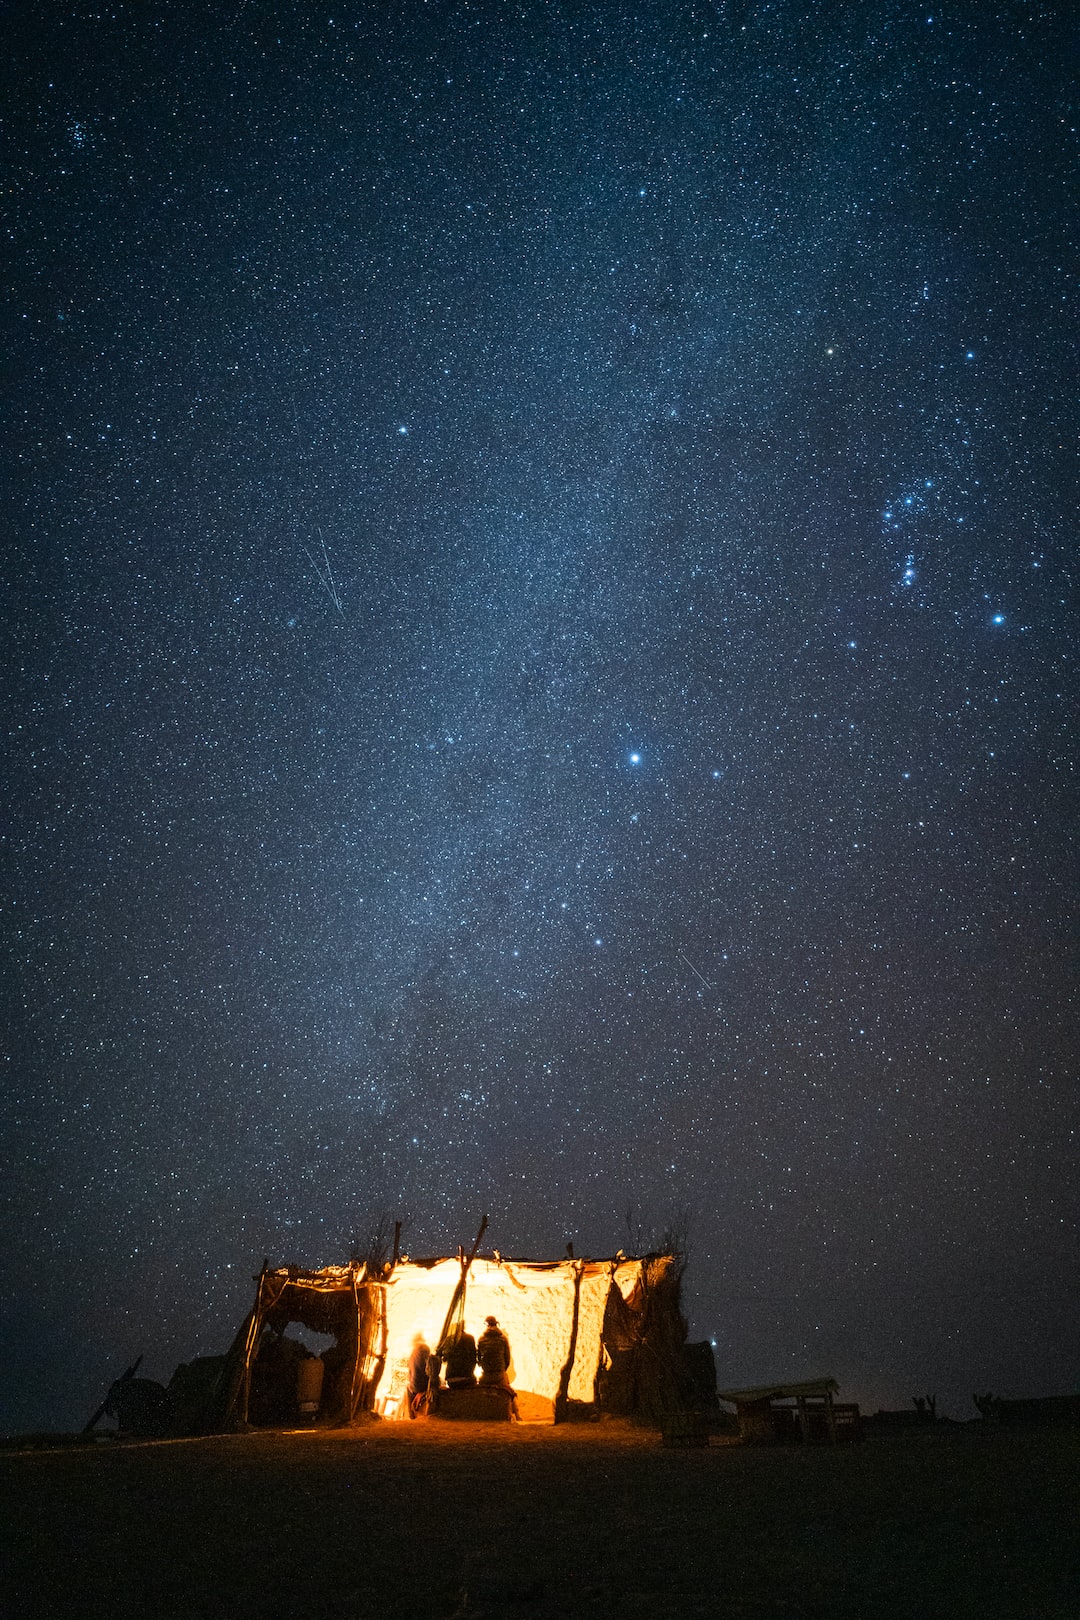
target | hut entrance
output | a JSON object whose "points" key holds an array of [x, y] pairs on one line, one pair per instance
{"points": [[301, 1350], [569, 1323], [298, 1374]]}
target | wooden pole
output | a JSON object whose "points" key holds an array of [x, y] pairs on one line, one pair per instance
{"points": [[460, 1288], [124, 1378], [357, 1388], [249, 1346]]}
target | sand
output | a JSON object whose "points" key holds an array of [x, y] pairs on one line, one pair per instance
{"points": [[461, 1522]]}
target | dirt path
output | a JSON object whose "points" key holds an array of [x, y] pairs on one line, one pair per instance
{"points": [[462, 1522]]}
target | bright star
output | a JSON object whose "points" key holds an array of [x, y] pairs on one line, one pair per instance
{"points": [[635, 759]]}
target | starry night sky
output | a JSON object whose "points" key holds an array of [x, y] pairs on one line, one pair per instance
{"points": [[541, 668]]}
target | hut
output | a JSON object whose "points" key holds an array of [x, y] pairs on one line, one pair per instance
{"points": [[803, 1411], [586, 1336]]}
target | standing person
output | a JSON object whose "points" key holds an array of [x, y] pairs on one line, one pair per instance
{"points": [[493, 1354], [419, 1376]]}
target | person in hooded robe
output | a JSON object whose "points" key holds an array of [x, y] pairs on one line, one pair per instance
{"points": [[493, 1354], [458, 1355]]}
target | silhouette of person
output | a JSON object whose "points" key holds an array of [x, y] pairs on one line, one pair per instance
{"points": [[419, 1374], [458, 1353]]}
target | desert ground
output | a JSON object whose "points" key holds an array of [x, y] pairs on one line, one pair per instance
{"points": [[459, 1522]]}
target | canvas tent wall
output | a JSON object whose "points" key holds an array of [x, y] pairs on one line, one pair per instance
{"points": [[584, 1333], [553, 1315]]}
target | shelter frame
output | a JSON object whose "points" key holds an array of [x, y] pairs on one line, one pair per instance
{"points": [[586, 1334]]}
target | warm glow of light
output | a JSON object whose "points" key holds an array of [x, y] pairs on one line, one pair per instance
{"points": [[535, 1308]]}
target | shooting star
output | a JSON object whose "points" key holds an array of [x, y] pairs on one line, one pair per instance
{"points": [[694, 970], [325, 573]]}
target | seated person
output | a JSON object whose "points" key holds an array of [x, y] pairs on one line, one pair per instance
{"points": [[493, 1354], [458, 1355], [419, 1358]]}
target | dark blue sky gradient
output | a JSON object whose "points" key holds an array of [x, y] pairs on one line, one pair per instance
{"points": [[542, 648]]}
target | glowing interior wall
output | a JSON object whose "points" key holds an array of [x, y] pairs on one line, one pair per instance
{"points": [[535, 1308], [594, 1292]]}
